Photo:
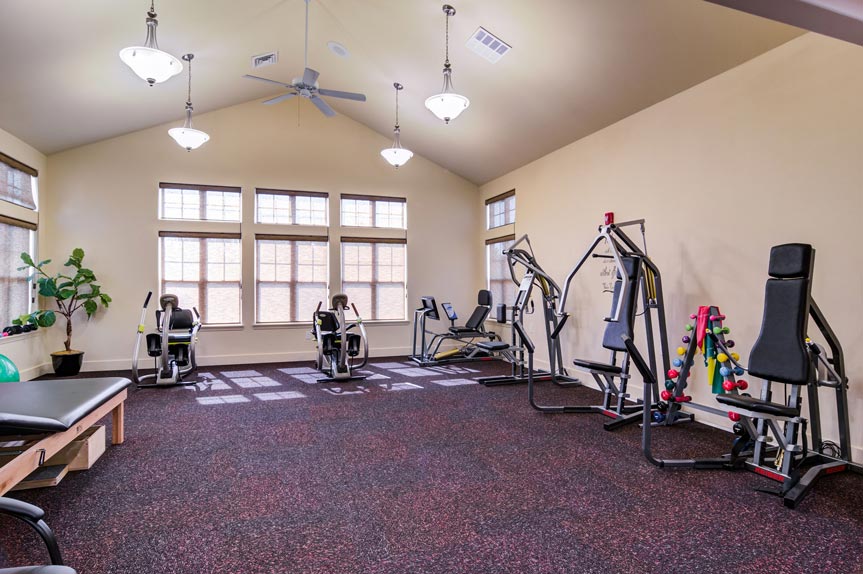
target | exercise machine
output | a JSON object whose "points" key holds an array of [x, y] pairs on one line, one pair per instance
{"points": [[521, 260], [338, 343], [637, 277], [773, 436], [426, 344], [172, 344]]}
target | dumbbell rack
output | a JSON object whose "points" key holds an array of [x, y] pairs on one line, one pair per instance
{"points": [[675, 385]]}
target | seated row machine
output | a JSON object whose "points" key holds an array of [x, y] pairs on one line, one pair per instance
{"points": [[172, 344], [338, 344], [773, 439]]}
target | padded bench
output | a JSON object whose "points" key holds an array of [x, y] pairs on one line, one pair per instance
{"points": [[60, 410]]}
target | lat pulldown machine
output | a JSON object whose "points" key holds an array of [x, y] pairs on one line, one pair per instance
{"points": [[337, 345], [533, 276], [784, 354], [172, 345]]}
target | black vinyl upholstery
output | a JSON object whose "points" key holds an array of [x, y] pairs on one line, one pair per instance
{"points": [[780, 353], [479, 315], [53, 406], [757, 405], [181, 319], [484, 298], [328, 321], [614, 330], [595, 366]]}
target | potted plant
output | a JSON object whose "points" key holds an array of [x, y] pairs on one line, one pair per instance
{"points": [[74, 290]]}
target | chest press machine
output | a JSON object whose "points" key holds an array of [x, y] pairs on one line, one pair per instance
{"points": [[782, 354], [636, 276], [172, 345]]}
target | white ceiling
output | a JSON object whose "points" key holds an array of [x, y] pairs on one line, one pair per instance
{"points": [[576, 66]]}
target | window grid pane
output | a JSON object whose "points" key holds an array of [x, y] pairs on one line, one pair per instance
{"points": [[499, 280], [374, 276], [291, 279], [204, 273], [501, 212], [14, 287], [378, 213], [294, 209], [199, 204]]}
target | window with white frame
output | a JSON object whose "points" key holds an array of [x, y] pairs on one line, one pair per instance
{"points": [[373, 211], [500, 210], [290, 207], [374, 276], [291, 277], [18, 189], [189, 202], [499, 279], [204, 271]]}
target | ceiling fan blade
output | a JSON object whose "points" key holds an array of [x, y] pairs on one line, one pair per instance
{"points": [[278, 99], [343, 95], [251, 77], [323, 106], [310, 76]]}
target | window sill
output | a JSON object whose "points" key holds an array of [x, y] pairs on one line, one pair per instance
{"points": [[237, 327], [297, 325], [23, 336]]}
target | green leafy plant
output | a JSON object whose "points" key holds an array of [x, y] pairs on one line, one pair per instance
{"points": [[73, 290]]}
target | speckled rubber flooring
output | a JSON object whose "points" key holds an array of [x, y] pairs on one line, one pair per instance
{"points": [[417, 471]]}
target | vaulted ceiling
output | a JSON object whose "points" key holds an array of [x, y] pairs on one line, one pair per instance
{"points": [[575, 66]]}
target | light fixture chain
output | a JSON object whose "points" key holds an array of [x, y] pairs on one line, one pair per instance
{"points": [[397, 108], [446, 58], [189, 93]]}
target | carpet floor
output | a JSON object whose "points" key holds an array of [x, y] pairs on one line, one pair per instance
{"points": [[258, 469]]}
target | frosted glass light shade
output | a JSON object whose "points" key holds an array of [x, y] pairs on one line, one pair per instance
{"points": [[151, 64], [447, 105], [189, 138], [397, 156]]}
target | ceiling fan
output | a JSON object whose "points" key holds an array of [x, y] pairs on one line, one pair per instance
{"points": [[307, 85]]}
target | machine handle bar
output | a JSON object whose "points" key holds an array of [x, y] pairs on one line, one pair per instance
{"points": [[147, 300], [556, 332]]}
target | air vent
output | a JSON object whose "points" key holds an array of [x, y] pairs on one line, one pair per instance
{"points": [[263, 60], [488, 45]]}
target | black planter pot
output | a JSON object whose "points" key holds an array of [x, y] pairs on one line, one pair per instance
{"points": [[67, 364]]}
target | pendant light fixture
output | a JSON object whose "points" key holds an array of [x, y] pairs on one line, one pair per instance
{"points": [[397, 156], [148, 61], [187, 136], [447, 105]]}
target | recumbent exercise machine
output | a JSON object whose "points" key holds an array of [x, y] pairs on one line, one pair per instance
{"points": [[426, 345], [338, 344], [172, 344]]}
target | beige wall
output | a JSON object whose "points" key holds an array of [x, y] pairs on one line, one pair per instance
{"points": [[27, 351], [767, 153], [105, 201]]}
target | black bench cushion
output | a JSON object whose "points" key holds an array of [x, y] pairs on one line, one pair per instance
{"points": [[757, 405], [38, 570], [493, 345], [53, 406], [179, 338], [594, 366]]}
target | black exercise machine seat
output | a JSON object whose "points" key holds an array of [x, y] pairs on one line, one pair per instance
{"points": [[493, 346], [780, 354], [477, 318], [33, 516], [53, 406], [614, 330]]}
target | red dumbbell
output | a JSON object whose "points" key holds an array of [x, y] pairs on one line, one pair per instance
{"points": [[734, 416], [683, 399], [665, 395], [730, 385], [673, 373]]}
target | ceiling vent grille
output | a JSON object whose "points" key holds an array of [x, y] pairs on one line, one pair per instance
{"points": [[263, 60], [487, 45]]}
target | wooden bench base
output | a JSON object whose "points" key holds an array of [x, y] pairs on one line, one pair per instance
{"points": [[36, 453]]}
